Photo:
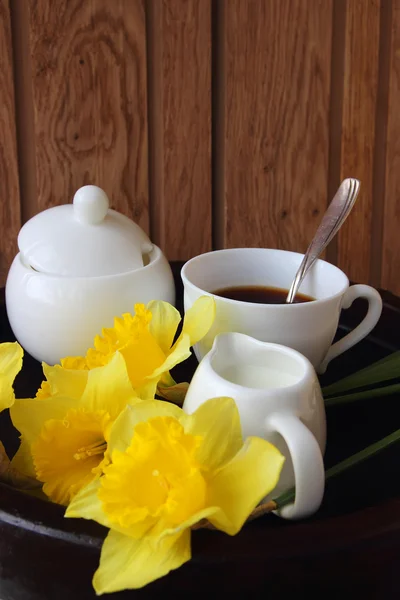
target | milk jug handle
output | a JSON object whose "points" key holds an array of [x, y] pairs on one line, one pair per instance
{"points": [[307, 464]]}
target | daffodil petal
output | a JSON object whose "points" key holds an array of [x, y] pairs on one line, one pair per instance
{"points": [[86, 505], [205, 513], [11, 355], [164, 323], [65, 382], [29, 415], [22, 460], [242, 483], [109, 388], [148, 389], [126, 563], [179, 353], [122, 429], [199, 318], [218, 421]]}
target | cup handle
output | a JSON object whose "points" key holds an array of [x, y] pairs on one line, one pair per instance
{"points": [[363, 329], [307, 462]]}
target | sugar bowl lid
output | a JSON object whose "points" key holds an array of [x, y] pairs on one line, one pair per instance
{"points": [[83, 239]]}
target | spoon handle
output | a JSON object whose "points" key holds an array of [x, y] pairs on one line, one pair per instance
{"points": [[333, 219]]}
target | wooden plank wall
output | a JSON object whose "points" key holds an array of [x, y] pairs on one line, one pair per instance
{"points": [[212, 123]]}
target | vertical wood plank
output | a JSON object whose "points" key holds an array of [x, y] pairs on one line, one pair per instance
{"points": [[391, 222], [90, 101], [361, 63], [179, 46], [10, 219], [26, 146], [277, 77]]}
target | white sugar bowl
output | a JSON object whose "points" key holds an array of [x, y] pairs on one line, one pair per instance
{"points": [[79, 266]]}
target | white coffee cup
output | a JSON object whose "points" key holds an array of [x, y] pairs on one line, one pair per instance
{"points": [[279, 399], [307, 327]]}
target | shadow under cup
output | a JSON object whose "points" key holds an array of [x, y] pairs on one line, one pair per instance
{"points": [[307, 327]]}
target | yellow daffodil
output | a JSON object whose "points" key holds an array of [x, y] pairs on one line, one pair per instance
{"points": [[64, 439], [11, 355], [146, 341], [168, 471]]}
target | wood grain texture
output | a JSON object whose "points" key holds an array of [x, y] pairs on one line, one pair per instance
{"points": [[277, 78], [357, 126], [391, 222], [10, 219], [26, 142], [90, 101], [179, 34]]}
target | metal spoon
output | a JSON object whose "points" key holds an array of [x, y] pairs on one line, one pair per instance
{"points": [[333, 219]]}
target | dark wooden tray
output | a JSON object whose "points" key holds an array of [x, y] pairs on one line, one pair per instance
{"points": [[351, 545]]}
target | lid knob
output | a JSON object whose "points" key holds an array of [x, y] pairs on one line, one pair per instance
{"points": [[90, 205]]}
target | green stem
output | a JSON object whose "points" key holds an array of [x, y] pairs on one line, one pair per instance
{"points": [[353, 460], [375, 393]]}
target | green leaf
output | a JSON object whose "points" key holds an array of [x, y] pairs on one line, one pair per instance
{"points": [[359, 457], [364, 395], [352, 461], [385, 369]]}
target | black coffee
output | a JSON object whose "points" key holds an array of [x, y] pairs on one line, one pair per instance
{"points": [[260, 294]]}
